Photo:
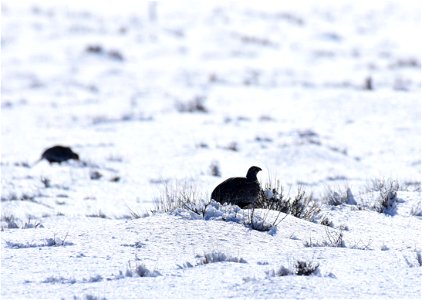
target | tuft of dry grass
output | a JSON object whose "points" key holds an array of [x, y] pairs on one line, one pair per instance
{"points": [[183, 196], [218, 256]]}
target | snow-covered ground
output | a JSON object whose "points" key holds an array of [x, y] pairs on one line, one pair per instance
{"points": [[317, 93]]}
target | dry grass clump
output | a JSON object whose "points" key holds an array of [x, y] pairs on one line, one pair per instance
{"points": [[183, 196], [218, 256]]}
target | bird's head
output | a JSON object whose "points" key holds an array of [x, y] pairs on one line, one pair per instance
{"points": [[251, 175], [75, 156]]}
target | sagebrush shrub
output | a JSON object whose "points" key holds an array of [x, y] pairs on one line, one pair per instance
{"points": [[304, 268], [301, 205], [386, 200], [10, 221], [196, 105], [140, 270], [300, 268], [338, 196]]}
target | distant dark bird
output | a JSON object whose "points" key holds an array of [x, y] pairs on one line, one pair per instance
{"points": [[58, 154], [241, 191]]}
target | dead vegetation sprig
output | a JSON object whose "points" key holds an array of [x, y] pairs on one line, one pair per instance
{"points": [[301, 205], [261, 221], [416, 210], [334, 239]]}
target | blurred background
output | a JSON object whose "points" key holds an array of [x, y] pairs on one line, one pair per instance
{"points": [[316, 93]]}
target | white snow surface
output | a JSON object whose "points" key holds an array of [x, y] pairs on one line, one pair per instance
{"points": [[151, 94]]}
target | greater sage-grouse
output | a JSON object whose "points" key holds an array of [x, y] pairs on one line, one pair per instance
{"points": [[59, 154], [241, 191]]}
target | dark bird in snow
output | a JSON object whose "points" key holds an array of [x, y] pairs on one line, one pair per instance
{"points": [[58, 154], [241, 191]]}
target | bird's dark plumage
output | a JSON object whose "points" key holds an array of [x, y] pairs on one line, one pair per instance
{"points": [[241, 191], [59, 154]]}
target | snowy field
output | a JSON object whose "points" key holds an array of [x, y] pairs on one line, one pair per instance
{"points": [[324, 95]]}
